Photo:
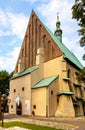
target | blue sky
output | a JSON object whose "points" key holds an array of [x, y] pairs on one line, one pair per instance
{"points": [[14, 16]]}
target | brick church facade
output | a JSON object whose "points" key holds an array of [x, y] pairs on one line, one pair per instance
{"points": [[44, 81]]}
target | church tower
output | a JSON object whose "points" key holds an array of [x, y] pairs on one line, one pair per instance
{"points": [[58, 31]]}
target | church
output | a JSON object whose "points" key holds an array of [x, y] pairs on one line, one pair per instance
{"points": [[44, 81]]}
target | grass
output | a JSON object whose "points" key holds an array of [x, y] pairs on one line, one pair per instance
{"points": [[25, 125]]}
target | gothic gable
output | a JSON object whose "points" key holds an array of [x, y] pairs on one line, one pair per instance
{"points": [[35, 36]]}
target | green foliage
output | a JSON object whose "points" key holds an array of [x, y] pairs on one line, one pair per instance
{"points": [[81, 75], [78, 12], [29, 126], [4, 81]]}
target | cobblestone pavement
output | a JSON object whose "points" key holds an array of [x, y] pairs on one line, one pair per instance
{"points": [[64, 123]]}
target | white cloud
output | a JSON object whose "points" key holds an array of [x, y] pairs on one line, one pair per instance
{"points": [[3, 19], [49, 12], [8, 62], [12, 24], [18, 23], [4, 33]]}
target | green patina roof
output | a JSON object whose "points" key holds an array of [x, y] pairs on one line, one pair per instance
{"points": [[67, 53], [66, 78], [45, 82], [65, 93], [24, 72]]}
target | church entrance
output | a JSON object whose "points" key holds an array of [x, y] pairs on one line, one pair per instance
{"points": [[19, 108]]}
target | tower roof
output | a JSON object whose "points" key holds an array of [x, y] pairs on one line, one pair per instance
{"points": [[58, 31]]}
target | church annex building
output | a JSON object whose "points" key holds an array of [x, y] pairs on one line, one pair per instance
{"points": [[44, 81]]}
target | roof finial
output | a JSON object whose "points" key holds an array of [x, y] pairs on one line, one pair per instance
{"points": [[57, 16]]}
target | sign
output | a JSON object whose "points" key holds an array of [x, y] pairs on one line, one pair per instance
{"points": [[27, 106]]}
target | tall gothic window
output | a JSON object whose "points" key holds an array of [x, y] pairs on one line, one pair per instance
{"points": [[48, 49], [26, 45], [39, 36]]}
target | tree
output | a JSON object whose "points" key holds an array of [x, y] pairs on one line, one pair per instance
{"points": [[4, 81], [81, 75], [78, 13]]}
